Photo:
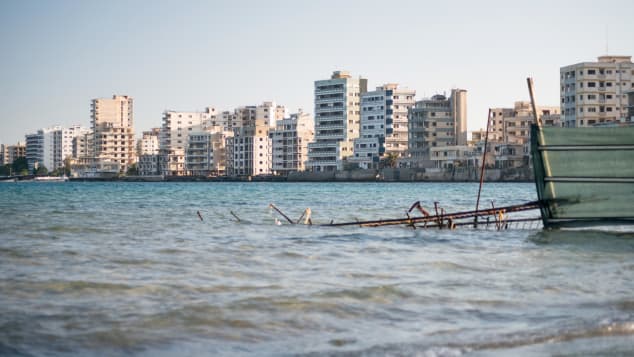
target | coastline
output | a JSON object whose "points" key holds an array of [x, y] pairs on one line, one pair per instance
{"points": [[358, 175]]}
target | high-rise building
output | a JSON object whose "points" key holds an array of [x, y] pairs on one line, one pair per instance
{"points": [[250, 152], [206, 152], [595, 92], [44, 148], [69, 141], [383, 124], [113, 129], [174, 137], [438, 121], [290, 142], [337, 117], [148, 153]]}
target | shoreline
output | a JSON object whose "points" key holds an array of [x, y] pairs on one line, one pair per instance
{"points": [[385, 175]]}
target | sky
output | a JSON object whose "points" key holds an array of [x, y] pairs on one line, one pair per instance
{"points": [[187, 55]]}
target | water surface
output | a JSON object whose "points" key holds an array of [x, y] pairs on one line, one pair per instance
{"points": [[129, 268]]}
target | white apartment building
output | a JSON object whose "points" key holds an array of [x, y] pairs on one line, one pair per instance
{"points": [[383, 124], [174, 136], [148, 153], [436, 122], [290, 142], [250, 152], [112, 122], [596, 92], [206, 152], [337, 117], [149, 142], [44, 148], [69, 141]]}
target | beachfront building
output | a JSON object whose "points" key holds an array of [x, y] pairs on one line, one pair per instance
{"points": [[174, 136], [290, 141], [513, 124], [596, 92], [337, 116], [449, 157], [69, 141], [511, 127], [436, 122], [250, 152], [148, 147], [9, 153], [206, 152], [112, 124], [44, 148], [383, 125]]}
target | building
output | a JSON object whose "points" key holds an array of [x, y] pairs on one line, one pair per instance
{"points": [[383, 125], [13, 152], [290, 143], [148, 163], [449, 157], [149, 142], [595, 92], [271, 113], [112, 123], [250, 152], [436, 122], [44, 148], [174, 136], [513, 124], [337, 117], [511, 131], [206, 152]]}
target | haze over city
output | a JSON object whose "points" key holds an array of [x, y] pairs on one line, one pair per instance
{"points": [[57, 56]]}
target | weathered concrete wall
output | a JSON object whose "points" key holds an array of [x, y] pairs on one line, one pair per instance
{"points": [[416, 174]]}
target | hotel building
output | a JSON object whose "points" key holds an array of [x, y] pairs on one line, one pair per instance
{"points": [[174, 136], [290, 142], [596, 92], [383, 124], [44, 148], [337, 116], [113, 129]]}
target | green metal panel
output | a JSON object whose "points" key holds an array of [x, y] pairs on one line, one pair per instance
{"points": [[584, 176]]}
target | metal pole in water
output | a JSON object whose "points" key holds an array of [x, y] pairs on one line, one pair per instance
{"points": [[484, 155]]}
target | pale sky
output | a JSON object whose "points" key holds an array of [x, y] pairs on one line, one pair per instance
{"points": [[187, 55]]}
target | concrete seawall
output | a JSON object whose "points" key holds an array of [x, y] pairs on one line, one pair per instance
{"points": [[384, 175]]}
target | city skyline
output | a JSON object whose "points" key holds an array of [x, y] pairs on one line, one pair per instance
{"points": [[193, 55]]}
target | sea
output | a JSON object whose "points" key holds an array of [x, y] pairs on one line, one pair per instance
{"points": [[210, 269]]}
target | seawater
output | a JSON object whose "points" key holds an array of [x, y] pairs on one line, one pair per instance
{"points": [[129, 268]]}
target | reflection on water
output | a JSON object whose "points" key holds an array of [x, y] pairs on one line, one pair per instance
{"points": [[129, 268]]}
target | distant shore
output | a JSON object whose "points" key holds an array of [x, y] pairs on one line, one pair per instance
{"points": [[385, 175]]}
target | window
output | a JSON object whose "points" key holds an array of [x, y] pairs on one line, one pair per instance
{"points": [[592, 71], [592, 84]]}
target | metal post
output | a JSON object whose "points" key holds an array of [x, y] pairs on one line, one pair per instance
{"points": [[484, 155]]}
